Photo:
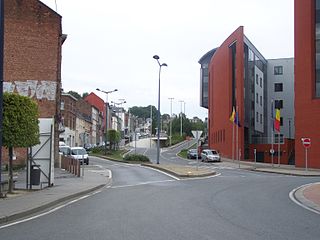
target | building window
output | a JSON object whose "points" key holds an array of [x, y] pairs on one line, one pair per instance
{"points": [[260, 82], [62, 105], [260, 100], [257, 116], [257, 98], [278, 104], [260, 118], [278, 87], [281, 121], [276, 138], [257, 79], [278, 70]]}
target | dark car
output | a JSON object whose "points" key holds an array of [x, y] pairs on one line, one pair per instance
{"points": [[192, 154]]}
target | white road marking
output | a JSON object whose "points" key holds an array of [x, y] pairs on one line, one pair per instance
{"points": [[292, 197], [143, 183], [169, 175], [48, 212]]}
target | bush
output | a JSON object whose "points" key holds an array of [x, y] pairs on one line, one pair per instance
{"points": [[136, 158]]}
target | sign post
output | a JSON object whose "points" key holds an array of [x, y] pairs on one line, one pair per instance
{"points": [[255, 158], [306, 143], [197, 135]]}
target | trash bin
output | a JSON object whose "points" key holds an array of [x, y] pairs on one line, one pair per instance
{"points": [[35, 175]]}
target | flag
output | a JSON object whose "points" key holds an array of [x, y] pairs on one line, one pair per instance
{"points": [[233, 114], [277, 120], [237, 120]]}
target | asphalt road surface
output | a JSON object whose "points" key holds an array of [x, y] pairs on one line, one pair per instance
{"points": [[146, 204]]}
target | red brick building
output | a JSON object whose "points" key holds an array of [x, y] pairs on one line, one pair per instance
{"points": [[32, 56], [307, 80]]}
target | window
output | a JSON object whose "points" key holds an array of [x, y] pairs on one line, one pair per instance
{"points": [[276, 138], [260, 82], [257, 98], [261, 118], [257, 79], [281, 121], [278, 87], [278, 104], [260, 100], [62, 105], [257, 116], [278, 70]]}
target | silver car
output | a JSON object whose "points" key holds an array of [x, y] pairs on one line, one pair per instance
{"points": [[210, 155]]}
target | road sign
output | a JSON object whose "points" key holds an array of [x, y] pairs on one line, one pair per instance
{"points": [[272, 151], [196, 134], [306, 142]]}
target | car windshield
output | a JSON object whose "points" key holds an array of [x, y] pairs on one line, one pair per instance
{"points": [[64, 150], [212, 152], [78, 151]]}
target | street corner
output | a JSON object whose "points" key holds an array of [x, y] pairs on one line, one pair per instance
{"points": [[307, 196]]}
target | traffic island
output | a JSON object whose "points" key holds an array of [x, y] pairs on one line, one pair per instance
{"points": [[182, 171]]}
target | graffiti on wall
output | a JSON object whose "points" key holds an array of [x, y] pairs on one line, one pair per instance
{"points": [[33, 88]]}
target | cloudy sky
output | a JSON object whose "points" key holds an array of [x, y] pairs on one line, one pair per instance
{"points": [[110, 44]]}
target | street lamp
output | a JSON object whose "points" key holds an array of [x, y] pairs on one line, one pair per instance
{"points": [[181, 101], [107, 112], [156, 57], [170, 118]]}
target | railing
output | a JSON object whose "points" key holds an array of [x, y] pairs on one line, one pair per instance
{"points": [[71, 165]]}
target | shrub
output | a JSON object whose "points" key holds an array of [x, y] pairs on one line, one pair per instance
{"points": [[136, 158]]}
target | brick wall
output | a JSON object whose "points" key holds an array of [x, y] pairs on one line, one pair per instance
{"points": [[32, 56]]}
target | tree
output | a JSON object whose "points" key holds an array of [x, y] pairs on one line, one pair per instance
{"points": [[74, 94], [114, 138], [20, 125], [84, 95]]}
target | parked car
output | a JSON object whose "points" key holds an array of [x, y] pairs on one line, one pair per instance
{"points": [[81, 154], [192, 154], [65, 150], [210, 155]]}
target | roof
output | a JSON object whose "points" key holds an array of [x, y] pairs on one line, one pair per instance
{"points": [[208, 54]]}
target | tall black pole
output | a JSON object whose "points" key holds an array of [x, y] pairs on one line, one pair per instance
{"points": [[1, 83], [158, 121]]}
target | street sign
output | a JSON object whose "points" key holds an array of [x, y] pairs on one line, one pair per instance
{"points": [[196, 134], [272, 151], [306, 142]]}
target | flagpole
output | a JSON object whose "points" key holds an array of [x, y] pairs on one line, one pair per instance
{"points": [[237, 139], [272, 132], [279, 148], [233, 142]]}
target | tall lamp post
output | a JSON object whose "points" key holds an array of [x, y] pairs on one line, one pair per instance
{"points": [[107, 112], [156, 57], [170, 119], [181, 101]]}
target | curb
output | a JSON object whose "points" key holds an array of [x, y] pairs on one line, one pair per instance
{"points": [[15, 216], [285, 173], [296, 195], [179, 175]]}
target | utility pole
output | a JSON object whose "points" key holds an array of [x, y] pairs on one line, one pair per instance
{"points": [[170, 119], [181, 101]]}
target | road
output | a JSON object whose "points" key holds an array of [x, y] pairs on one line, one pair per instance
{"points": [[145, 204]]}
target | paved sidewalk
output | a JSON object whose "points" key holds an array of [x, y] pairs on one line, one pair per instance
{"points": [[309, 196], [66, 187]]}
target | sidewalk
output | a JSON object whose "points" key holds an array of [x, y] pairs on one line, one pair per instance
{"points": [[66, 187]]}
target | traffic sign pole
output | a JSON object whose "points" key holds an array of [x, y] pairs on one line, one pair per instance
{"points": [[306, 143]]}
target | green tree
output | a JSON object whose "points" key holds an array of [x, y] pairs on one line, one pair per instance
{"points": [[74, 94], [20, 125], [114, 138]]}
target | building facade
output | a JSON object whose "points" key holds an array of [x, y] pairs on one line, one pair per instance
{"points": [[68, 118], [32, 58], [240, 81], [307, 80]]}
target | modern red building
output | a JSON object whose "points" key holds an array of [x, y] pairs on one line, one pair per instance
{"points": [[307, 80]]}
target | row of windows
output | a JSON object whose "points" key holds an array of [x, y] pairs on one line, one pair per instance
{"points": [[257, 118], [257, 99], [257, 80]]}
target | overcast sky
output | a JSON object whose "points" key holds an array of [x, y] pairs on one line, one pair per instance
{"points": [[110, 44]]}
